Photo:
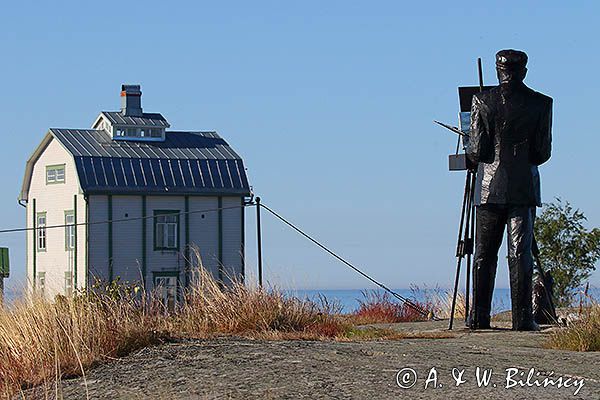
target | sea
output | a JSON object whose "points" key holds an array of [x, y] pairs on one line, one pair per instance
{"points": [[349, 299]]}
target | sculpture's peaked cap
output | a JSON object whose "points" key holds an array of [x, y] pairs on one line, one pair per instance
{"points": [[511, 59]]}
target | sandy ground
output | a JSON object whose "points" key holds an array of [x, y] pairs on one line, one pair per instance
{"points": [[236, 368]]}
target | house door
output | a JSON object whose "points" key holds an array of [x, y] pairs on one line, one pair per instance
{"points": [[166, 290]]}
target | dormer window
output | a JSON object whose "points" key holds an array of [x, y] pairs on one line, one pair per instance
{"points": [[139, 133]]}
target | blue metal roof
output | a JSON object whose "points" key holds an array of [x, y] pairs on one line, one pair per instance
{"points": [[186, 162], [147, 119]]}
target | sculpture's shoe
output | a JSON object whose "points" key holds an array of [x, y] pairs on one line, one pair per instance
{"points": [[527, 326], [482, 323]]}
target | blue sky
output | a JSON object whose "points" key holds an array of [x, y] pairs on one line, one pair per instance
{"points": [[330, 104]]}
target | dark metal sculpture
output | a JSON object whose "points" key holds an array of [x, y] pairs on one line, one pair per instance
{"points": [[544, 311], [510, 136]]}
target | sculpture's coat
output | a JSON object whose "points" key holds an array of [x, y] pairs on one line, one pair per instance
{"points": [[510, 136]]}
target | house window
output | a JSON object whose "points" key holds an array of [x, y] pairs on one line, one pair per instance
{"points": [[55, 174], [41, 231], [68, 283], [165, 285], [41, 282], [132, 132], [155, 132], [166, 229], [69, 230]]}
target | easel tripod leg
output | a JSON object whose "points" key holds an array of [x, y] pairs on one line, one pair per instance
{"points": [[460, 247]]}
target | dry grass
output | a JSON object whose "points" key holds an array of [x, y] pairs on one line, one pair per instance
{"points": [[378, 307], [442, 305], [42, 341], [251, 311], [582, 334]]}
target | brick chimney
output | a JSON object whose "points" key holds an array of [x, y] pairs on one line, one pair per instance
{"points": [[131, 100]]}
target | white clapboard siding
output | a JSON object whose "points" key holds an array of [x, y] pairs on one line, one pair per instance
{"points": [[204, 230], [98, 238], [232, 239], [81, 242], [54, 200], [127, 242], [127, 238]]}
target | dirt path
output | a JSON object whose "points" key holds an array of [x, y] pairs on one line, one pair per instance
{"points": [[238, 368]]}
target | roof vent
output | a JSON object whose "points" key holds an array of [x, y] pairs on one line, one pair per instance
{"points": [[131, 100]]}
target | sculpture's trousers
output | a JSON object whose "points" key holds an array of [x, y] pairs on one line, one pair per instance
{"points": [[491, 220]]}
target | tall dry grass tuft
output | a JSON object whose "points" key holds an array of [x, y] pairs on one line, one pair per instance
{"points": [[442, 304], [41, 340], [582, 334], [238, 309], [378, 307]]}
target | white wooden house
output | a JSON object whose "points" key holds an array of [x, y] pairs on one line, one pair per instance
{"points": [[141, 197]]}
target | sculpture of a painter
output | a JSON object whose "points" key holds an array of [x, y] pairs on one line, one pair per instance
{"points": [[510, 136]]}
